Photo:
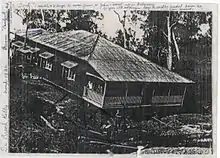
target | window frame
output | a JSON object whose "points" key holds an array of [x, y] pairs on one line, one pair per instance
{"points": [[28, 56], [69, 75], [48, 65]]}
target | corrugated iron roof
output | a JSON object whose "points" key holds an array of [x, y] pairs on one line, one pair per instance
{"points": [[32, 32], [115, 63], [77, 43], [111, 61]]}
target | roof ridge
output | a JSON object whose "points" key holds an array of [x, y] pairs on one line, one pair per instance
{"points": [[93, 47], [113, 51], [143, 60]]}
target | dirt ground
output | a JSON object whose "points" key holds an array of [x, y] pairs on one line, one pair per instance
{"points": [[45, 119]]}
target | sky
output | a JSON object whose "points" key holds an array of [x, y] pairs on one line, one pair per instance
{"points": [[109, 25], [16, 23]]}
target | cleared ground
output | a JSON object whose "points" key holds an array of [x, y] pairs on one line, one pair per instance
{"points": [[46, 119]]}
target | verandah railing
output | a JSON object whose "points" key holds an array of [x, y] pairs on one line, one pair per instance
{"points": [[92, 95], [123, 100], [173, 99]]}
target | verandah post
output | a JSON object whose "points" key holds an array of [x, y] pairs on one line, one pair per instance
{"points": [[40, 68], [62, 71], [125, 104], [183, 96], [126, 89], [103, 95], [40, 62]]}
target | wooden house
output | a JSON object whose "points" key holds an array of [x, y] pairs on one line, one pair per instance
{"points": [[102, 73]]}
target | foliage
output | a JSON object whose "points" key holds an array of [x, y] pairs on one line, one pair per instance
{"points": [[187, 26], [61, 20], [152, 43]]}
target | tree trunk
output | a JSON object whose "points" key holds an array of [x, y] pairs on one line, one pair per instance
{"points": [[176, 46], [124, 30], [158, 56], [124, 35], [169, 54], [43, 19], [26, 33]]}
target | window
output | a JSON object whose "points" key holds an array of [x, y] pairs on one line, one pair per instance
{"points": [[46, 60], [43, 63], [28, 56], [65, 72], [48, 66], [68, 74], [71, 75], [68, 70]]}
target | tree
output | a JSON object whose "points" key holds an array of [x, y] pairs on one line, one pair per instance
{"points": [[129, 36], [61, 20], [123, 21], [24, 14], [164, 30], [171, 35], [84, 20]]}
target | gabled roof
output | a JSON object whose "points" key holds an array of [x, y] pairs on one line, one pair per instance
{"points": [[112, 62]]}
